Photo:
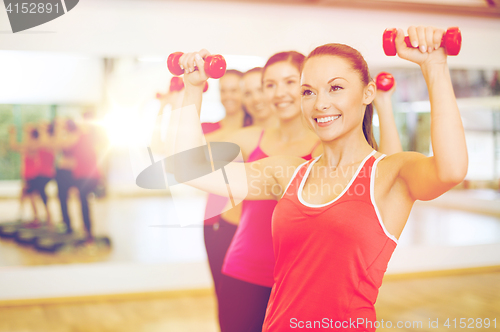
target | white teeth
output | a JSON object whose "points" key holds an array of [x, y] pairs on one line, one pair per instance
{"points": [[327, 118], [282, 104]]}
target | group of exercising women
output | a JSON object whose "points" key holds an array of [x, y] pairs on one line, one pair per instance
{"points": [[312, 252], [62, 150]]}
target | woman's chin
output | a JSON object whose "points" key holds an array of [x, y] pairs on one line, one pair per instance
{"points": [[288, 115], [325, 135]]}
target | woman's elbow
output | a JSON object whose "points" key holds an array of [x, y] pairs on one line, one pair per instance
{"points": [[456, 174]]}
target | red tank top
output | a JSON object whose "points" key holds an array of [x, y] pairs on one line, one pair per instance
{"points": [[215, 203], [330, 258], [46, 158], [250, 256], [85, 156], [31, 165]]}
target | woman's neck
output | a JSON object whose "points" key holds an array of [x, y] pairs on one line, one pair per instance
{"points": [[292, 129], [234, 120], [345, 150], [269, 122]]}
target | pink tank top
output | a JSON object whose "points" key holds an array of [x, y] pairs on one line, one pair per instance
{"points": [[86, 157], [330, 258], [30, 166], [250, 256], [208, 127], [46, 158], [215, 203]]}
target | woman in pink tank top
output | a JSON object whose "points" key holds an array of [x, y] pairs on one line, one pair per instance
{"points": [[29, 165], [37, 167], [46, 170], [218, 239], [338, 217]]}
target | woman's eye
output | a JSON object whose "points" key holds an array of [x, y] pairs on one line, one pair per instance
{"points": [[269, 85], [335, 88], [306, 92], [291, 82]]}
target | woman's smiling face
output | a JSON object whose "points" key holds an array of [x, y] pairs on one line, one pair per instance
{"points": [[253, 97], [281, 83], [334, 97], [230, 93]]}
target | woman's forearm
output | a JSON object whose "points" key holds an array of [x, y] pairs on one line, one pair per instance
{"points": [[389, 136], [447, 132], [187, 120]]}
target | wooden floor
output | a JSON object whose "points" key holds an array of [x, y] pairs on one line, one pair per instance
{"points": [[466, 296]]}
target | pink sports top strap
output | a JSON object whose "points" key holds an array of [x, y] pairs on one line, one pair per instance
{"points": [[260, 138], [315, 146]]}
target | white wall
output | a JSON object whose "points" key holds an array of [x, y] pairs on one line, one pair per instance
{"points": [[49, 78], [118, 28]]}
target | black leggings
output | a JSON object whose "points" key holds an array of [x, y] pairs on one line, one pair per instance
{"points": [[242, 305], [65, 181], [38, 185], [85, 187], [217, 240]]}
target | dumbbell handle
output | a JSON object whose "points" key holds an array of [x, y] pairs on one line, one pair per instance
{"points": [[408, 42]]}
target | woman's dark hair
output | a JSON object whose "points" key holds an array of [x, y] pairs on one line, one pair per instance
{"points": [[295, 58], [358, 63], [34, 133], [50, 128], [70, 125], [247, 120], [253, 70], [233, 72]]}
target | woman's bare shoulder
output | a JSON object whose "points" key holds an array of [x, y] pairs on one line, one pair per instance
{"points": [[395, 161], [389, 168]]}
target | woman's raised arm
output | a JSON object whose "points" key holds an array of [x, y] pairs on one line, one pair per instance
{"points": [[13, 143], [429, 177], [209, 167], [389, 136]]}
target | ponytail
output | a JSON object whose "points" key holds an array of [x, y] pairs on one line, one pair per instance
{"points": [[247, 119], [368, 128]]}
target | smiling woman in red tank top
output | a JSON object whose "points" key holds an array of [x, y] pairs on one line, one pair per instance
{"points": [[339, 216], [245, 286], [249, 263]]}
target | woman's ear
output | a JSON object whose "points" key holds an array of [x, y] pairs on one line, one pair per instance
{"points": [[370, 91]]}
